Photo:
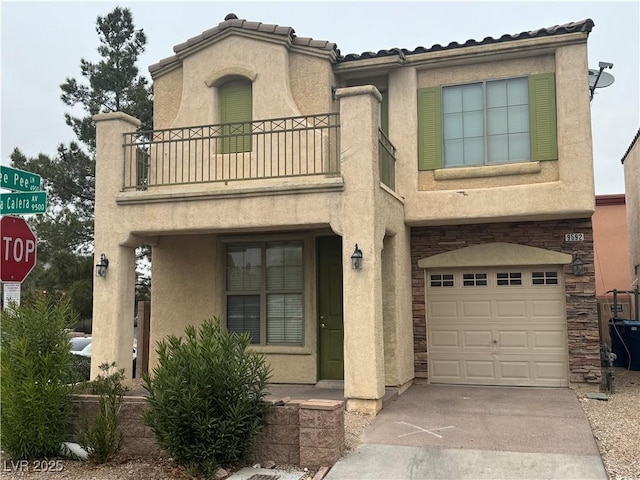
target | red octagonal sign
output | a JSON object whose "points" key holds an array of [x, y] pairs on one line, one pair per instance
{"points": [[17, 249]]}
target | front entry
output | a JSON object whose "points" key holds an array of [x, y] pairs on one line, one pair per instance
{"points": [[330, 326]]}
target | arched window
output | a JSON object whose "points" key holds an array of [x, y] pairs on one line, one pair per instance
{"points": [[236, 114]]}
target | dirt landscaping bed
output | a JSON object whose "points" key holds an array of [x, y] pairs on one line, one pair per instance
{"points": [[616, 426]]}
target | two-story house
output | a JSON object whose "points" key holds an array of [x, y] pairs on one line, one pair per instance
{"points": [[370, 218]]}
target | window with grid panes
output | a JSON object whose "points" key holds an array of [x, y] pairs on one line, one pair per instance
{"points": [[445, 280], [486, 123], [544, 278], [264, 290], [508, 278], [474, 280]]}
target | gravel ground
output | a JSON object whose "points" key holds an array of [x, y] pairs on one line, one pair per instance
{"points": [[615, 426]]}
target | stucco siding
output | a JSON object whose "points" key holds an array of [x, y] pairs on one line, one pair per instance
{"points": [[184, 286], [553, 189], [311, 79], [632, 192], [611, 245], [167, 92], [271, 89]]}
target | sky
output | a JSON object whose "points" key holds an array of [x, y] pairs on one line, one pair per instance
{"points": [[42, 44]]}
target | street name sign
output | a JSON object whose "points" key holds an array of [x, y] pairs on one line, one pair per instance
{"points": [[23, 203], [14, 179]]}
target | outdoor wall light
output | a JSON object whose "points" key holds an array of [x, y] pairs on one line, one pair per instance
{"points": [[578, 265], [356, 259], [101, 267]]}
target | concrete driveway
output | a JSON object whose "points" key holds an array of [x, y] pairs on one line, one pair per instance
{"points": [[459, 432]]}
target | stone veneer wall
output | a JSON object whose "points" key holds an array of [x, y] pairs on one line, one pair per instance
{"points": [[582, 315], [306, 433]]}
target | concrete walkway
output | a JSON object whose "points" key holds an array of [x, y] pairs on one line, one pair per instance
{"points": [[459, 432]]}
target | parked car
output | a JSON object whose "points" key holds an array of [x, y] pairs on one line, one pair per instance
{"points": [[79, 343], [82, 346]]}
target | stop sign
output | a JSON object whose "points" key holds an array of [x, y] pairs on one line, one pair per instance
{"points": [[17, 249]]}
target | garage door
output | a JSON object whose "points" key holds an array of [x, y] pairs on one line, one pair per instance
{"points": [[497, 326]]}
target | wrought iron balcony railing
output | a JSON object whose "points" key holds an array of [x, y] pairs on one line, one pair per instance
{"points": [[387, 160], [282, 147]]}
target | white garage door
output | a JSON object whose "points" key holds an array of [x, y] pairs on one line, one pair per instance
{"points": [[497, 326]]}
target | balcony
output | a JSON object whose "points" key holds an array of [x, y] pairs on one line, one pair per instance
{"points": [[274, 148]]}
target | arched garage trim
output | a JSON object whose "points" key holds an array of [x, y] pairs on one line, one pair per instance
{"points": [[495, 254]]}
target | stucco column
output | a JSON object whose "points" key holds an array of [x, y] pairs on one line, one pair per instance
{"points": [[114, 294], [362, 289]]}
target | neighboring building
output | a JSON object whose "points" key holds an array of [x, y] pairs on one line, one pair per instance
{"points": [[631, 163], [611, 254], [463, 173]]}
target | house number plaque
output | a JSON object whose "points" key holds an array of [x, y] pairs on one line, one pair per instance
{"points": [[574, 237]]}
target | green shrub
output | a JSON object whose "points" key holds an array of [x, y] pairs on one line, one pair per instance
{"points": [[81, 368], [205, 402], [103, 439], [35, 403]]}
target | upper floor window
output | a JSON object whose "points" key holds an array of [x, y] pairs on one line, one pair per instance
{"points": [[236, 113], [487, 123]]}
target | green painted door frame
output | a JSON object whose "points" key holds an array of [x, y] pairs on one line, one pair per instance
{"points": [[330, 323]]}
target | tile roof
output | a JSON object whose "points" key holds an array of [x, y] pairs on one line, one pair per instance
{"points": [[633, 142], [232, 21], [573, 27]]}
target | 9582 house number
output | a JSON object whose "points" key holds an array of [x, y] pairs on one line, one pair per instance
{"points": [[574, 237], [32, 466]]}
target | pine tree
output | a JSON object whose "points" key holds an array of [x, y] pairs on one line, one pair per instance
{"points": [[65, 232]]}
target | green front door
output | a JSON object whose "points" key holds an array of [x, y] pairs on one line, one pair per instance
{"points": [[330, 327]]}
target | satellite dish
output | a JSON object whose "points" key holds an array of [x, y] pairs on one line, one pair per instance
{"points": [[605, 79]]}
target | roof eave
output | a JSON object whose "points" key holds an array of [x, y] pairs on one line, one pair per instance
{"points": [[476, 54]]}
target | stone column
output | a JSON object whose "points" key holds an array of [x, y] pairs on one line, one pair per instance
{"points": [[114, 294], [362, 289]]}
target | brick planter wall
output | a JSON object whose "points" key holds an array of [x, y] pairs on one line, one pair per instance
{"points": [[306, 433], [582, 315], [138, 438]]}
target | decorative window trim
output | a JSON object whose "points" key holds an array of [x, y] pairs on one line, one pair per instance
{"points": [[223, 75], [485, 171]]}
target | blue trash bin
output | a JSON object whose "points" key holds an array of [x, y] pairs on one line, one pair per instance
{"points": [[625, 343], [633, 343], [618, 335]]}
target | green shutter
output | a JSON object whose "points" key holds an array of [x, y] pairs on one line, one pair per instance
{"points": [[542, 112], [236, 109], [429, 128], [384, 113]]}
